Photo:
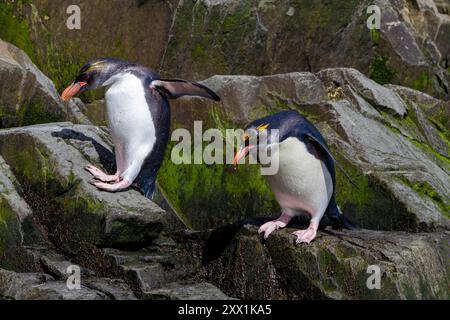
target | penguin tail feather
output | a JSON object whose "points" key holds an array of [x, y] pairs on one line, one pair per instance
{"points": [[337, 218], [347, 224], [147, 186]]}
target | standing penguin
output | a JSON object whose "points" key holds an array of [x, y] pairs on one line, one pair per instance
{"points": [[305, 181], [138, 117]]}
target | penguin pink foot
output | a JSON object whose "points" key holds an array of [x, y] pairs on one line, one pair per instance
{"points": [[112, 187], [269, 227], [307, 235], [100, 175]]}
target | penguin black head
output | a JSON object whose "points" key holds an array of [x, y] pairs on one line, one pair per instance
{"points": [[93, 75], [266, 132]]}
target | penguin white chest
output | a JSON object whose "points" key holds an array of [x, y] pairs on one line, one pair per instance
{"points": [[130, 120], [302, 182]]}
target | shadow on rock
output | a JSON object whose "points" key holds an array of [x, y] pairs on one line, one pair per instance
{"points": [[106, 157], [221, 238]]}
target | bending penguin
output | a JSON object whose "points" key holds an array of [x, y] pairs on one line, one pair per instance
{"points": [[305, 181], [138, 118]]}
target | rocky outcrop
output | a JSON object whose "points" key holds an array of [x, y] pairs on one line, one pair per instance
{"points": [[28, 96], [145, 258], [334, 266], [393, 141], [39, 286], [50, 167], [17, 226], [264, 37], [52, 219], [197, 39]]}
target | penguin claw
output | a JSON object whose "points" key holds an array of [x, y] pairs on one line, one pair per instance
{"points": [[269, 227], [100, 175], [305, 236], [122, 185]]}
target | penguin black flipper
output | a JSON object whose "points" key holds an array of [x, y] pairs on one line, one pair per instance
{"points": [[317, 142], [175, 88], [317, 145]]}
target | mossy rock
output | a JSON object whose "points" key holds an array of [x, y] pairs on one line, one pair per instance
{"points": [[18, 228], [334, 266], [369, 129], [74, 214]]}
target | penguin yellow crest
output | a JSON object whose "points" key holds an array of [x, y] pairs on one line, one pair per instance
{"points": [[262, 127], [95, 66]]}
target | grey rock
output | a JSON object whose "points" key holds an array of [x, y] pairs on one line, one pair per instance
{"points": [[58, 265], [165, 261], [411, 43], [374, 93], [17, 227], [49, 164], [28, 96], [392, 140], [243, 92], [334, 266], [38, 286], [188, 291], [116, 289], [95, 112], [399, 34]]}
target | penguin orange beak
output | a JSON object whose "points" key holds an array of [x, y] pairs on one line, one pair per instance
{"points": [[242, 153], [72, 90]]}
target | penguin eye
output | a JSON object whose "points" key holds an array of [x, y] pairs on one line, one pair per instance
{"points": [[83, 77]]}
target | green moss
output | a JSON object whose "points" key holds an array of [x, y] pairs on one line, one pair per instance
{"points": [[33, 113], [214, 40], [60, 63], [208, 196], [413, 128], [411, 124], [10, 236], [32, 166], [36, 113], [231, 40], [361, 195], [375, 36], [13, 28], [79, 219], [441, 160], [425, 190], [422, 83], [442, 123], [379, 71], [439, 123]]}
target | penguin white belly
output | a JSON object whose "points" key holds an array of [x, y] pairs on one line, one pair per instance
{"points": [[131, 124], [302, 182]]}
